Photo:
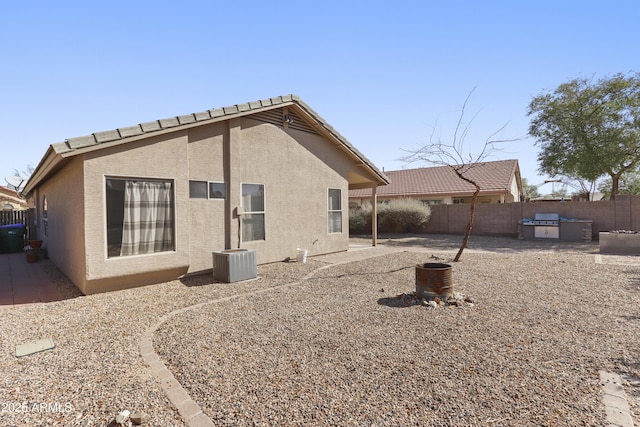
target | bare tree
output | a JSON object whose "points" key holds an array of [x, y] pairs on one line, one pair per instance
{"points": [[25, 174], [452, 154]]}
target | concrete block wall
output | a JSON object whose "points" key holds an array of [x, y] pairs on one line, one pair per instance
{"points": [[502, 219]]}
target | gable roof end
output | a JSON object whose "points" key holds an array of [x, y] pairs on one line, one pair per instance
{"points": [[493, 177], [57, 153]]}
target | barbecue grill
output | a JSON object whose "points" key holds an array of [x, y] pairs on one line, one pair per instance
{"points": [[552, 226], [546, 226], [548, 219]]}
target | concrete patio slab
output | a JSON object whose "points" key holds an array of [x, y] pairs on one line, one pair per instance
{"points": [[24, 283]]}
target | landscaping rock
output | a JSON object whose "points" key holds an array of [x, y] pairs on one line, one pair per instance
{"points": [[138, 417], [122, 417]]}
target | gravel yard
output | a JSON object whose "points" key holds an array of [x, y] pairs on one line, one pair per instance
{"points": [[339, 347]]}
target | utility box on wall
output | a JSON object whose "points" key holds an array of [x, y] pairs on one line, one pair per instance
{"points": [[234, 265]]}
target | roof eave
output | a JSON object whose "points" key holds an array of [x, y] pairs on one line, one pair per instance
{"points": [[329, 131], [58, 153], [47, 164]]}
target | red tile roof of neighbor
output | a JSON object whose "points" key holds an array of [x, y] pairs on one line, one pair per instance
{"points": [[493, 177]]}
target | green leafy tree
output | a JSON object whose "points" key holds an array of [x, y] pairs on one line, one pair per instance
{"points": [[589, 128], [579, 187], [629, 184], [530, 191]]}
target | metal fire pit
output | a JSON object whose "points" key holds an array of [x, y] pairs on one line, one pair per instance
{"points": [[434, 280]]}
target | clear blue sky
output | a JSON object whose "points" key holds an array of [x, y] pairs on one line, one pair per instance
{"points": [[384, 74]]}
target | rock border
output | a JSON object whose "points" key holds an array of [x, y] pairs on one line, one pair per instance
{"points": [[189, 410]]}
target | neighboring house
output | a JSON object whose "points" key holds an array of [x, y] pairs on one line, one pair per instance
{"points": [[151, 202], [9, 200], [499, 181]]}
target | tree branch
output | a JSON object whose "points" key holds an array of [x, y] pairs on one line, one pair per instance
{"points": [[451, 154]]}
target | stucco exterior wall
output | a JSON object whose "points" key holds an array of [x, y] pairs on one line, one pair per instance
{"points": [[207, 217], [62, 231], [515, 193], [297, 169], [296, 166], [161, 157]]}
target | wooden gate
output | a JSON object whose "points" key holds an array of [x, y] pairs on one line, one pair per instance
{"points": [[18, 217]]}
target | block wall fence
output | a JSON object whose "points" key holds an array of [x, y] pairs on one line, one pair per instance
{"points": [[502, 219]]}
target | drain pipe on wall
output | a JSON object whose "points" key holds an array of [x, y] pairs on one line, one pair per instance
{"points": [[238, 214]]}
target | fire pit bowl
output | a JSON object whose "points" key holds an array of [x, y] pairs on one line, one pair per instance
{"points": [[434, 280]]}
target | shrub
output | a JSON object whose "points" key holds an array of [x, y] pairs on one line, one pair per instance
{"points": [[395, 216], [403, 216], [360, 219]]}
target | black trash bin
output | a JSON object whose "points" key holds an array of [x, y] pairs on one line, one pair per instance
{"points": [[12, 238]]}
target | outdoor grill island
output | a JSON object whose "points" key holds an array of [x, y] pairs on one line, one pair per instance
{"points": [[552, 226]]}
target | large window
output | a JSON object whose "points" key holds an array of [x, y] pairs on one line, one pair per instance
{"points": [[140, 216], [253, 207], [335, 210]]}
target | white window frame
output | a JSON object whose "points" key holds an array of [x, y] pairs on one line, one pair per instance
{"points": [[334, 211], [106, 224], [246, 213]]}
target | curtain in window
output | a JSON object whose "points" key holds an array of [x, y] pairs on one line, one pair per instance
{"points": [[148, 218]]}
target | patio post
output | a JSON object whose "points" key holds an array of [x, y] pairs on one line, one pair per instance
{"points": [[374, 215]]}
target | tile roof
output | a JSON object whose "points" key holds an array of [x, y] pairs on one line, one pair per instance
{"points": [[493, 177], [73, 146], [96, 138]]}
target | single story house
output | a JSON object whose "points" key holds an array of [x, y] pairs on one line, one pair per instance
{"points": [[500, 182], [149, 203], [9, 200]]}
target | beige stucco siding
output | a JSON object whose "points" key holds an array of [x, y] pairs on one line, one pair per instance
{"points": [[297, 169], [162, 157], [64, 238], [279, 143], [206, 216], [515, 194]]}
